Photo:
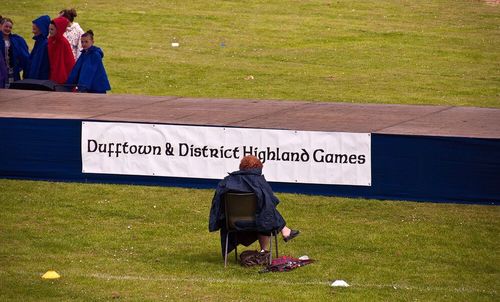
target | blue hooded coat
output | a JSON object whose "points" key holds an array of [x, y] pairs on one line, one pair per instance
{"points": [[3, 72], [268, 219], [18, 53], [39, 57], [89, 73]]}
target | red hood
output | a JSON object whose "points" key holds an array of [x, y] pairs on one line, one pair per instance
{"points": [[61, 23], [60, 55]]}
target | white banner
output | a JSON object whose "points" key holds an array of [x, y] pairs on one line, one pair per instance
{"points": [[211, 152]]}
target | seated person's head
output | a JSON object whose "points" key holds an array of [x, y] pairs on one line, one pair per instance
{"points": [[250, 162]]}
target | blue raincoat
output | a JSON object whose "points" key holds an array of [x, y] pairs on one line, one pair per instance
{"points": [[18, 53], [39, 66], [3, 72], [89, 73]]}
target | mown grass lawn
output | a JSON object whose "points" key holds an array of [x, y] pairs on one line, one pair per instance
{"points": [[376, 51], [151, 243], [134, 243]]}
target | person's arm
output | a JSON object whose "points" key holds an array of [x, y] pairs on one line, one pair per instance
{"points": [[69, 60], [267, 188], [214, 221], [79, 45], [74, 74], [23, 55], [88, 72]]}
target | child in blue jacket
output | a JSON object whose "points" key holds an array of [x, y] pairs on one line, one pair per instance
{"points": [[14, 50], [89, 74], [39, 56]]}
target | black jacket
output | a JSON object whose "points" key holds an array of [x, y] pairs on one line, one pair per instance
{"points": [[268, 219]]}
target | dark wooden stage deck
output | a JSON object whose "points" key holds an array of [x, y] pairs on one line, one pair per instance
{"points": [[315, 116]]}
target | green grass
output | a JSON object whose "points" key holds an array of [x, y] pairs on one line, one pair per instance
{"points": [[441, 52], [152, 244]]}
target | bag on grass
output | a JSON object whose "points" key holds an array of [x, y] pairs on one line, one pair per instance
{"points": [[251, 258]]}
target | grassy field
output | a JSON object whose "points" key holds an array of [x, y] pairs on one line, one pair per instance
{"points": [[377, 51], [134, 243], [151, 243]]}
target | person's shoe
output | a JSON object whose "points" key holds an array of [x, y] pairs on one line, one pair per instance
{"points": [[293, 234]]}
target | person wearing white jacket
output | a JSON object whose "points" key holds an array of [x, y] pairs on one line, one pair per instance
{"points": [[73, 31]]}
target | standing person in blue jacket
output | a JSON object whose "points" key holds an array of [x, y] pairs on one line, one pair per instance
{"points": [[39, 56], [15, 52], [89, 74], [3, 67], [3, 72]]}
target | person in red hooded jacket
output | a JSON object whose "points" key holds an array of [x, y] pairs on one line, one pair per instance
{"points": [[61, 57]]}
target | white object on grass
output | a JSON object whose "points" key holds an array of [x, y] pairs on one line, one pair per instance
{"points": [[305, 257], [340, 283], [175, 44]]}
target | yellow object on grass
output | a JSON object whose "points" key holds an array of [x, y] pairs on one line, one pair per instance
{"points": [[51, 275]]}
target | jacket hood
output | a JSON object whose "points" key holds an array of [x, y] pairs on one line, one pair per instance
{"points": [[253, 171], [94, 49], [61, 23], [43, 23]]}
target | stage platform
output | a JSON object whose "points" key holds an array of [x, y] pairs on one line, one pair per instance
{"points": [[437, 143], [452, 121]]}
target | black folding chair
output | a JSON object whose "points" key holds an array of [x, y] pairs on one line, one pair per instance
{"points": [[240, 209]]}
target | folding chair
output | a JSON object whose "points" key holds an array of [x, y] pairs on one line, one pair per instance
{"points": [[240, 208]]}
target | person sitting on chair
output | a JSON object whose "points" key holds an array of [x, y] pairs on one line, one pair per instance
{"points": [[249, 178]]}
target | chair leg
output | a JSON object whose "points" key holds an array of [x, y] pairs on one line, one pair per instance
{"points": [[276, 242], [236, 253], [271, 248], [225, 251]]}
